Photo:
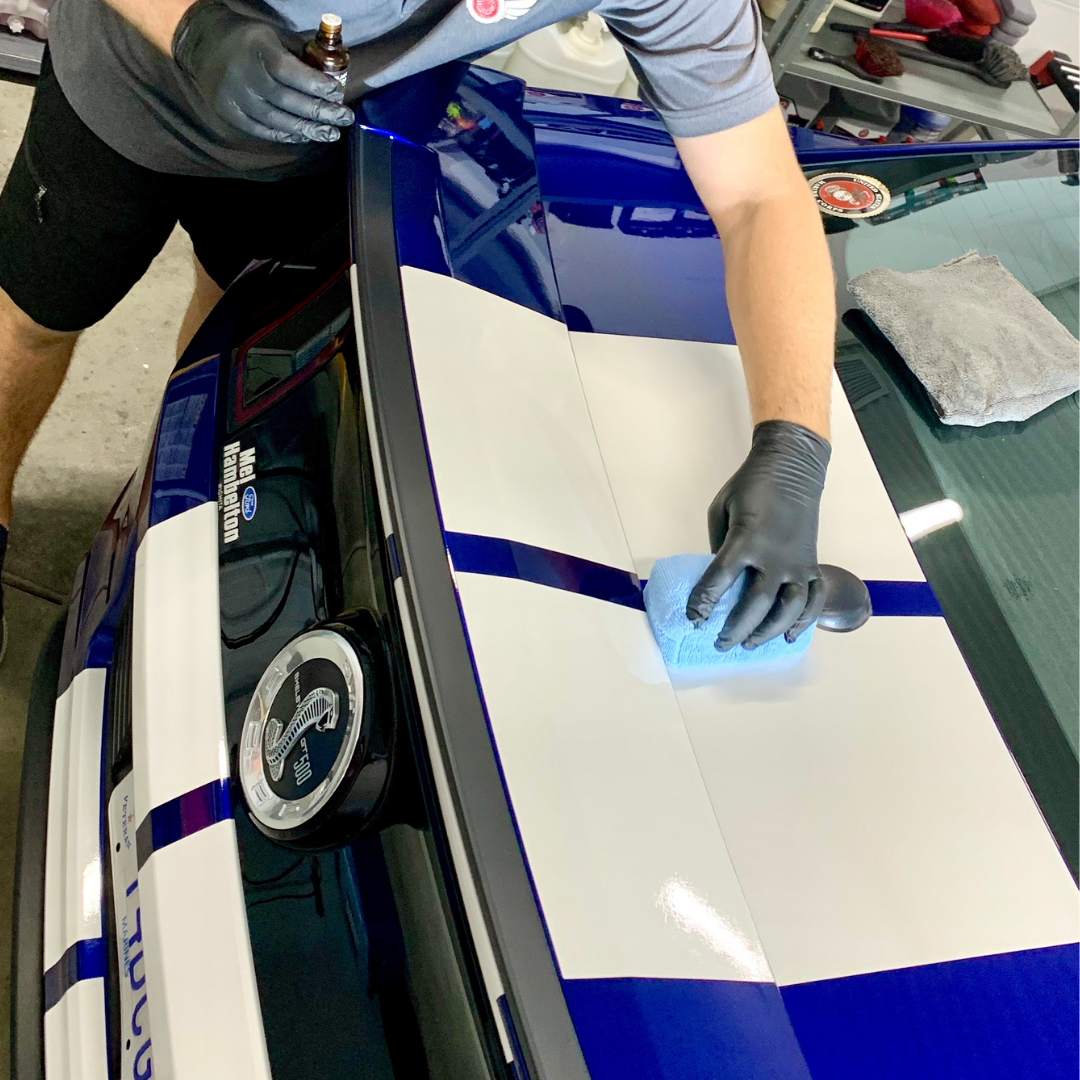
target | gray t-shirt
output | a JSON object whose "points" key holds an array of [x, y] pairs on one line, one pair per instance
{"points": [[701, 65]]}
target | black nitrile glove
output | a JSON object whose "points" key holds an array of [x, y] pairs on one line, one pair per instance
{"points": [[253, 81], [765, 521]]}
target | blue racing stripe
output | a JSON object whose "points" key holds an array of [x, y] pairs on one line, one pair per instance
{"points": [[83, 960], [903, 598], [186, 814], [1002, 1017], [683, 1029], [494, 557]]}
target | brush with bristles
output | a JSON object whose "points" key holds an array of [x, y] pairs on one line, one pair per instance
{"points": [[998, 67], [990, 61], [1003, 63], [877, 58]]}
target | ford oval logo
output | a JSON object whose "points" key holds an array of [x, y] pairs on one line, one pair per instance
{"points": [[248, 503]]}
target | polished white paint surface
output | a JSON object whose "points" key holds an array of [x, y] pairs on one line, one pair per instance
{"points": [[178, 711], [75, 1035], [73, 846], [629, 862], [202, 997], [506, 420], [874, 815], [200, 980], [75, 1026], [673, 422]]}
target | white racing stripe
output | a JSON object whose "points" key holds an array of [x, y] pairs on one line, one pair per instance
{"points": [[629, 863], [200, 979], [75, 1025], [633, 878], [75, 1035], [506, 422], [673, 422], [873, 813]]}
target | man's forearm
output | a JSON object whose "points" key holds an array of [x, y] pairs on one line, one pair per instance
{"points": [[155, 19], [781, 300], [777, 269]]}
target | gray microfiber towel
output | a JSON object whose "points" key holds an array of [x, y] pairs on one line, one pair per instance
{"points": [[1021, 11], [1000, 36], [1013, 28], [982, 345]]}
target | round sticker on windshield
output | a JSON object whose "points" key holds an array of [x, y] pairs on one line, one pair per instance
{"points": [[849, 195]]}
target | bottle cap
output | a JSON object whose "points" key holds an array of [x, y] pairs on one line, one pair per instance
{"points": [[331, 21]]}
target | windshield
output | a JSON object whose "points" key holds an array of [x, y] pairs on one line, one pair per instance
{"points": [[1006, 574]]}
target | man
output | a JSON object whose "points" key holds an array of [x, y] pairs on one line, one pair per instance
{"points": [[153, 111]]}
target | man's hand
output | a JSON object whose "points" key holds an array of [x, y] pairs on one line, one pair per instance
{"points": [[253, 81], [765, 522], [781, 298]]}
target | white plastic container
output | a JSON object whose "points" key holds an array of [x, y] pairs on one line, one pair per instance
{"points": [[21, 16], [628, 88], [578, 54], [496, 60]]}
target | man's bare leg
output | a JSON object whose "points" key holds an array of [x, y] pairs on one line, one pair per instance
{"points": [[207, 293], [33, 363]]}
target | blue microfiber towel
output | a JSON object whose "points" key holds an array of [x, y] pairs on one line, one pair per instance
{"points": [[685, 647]]}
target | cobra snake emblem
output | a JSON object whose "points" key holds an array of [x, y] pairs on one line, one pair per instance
{"points": [[319, 710]]}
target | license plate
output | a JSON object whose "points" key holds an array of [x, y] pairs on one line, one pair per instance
{"points": [[134, 1015]]}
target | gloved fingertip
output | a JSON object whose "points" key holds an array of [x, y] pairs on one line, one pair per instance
{"points": [[326, 133], [724, 646]]}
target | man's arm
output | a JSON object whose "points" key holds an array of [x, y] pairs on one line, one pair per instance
{"points": [[780, 296], [779, 275]]}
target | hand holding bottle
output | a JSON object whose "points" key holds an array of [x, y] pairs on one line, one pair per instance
{"points": [[253, 81]]}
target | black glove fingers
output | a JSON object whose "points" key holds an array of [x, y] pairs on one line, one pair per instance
{"points": [[814, 601], [754, 604], [719, 576], [785, 612], [284, 68], [307, 107], [270, 116], [243, 121], [719, 520]]}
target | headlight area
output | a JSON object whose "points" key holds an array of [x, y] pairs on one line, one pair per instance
{"points": [[359, 946]]}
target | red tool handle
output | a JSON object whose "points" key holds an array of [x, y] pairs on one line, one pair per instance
{"points": [[873, 31]]}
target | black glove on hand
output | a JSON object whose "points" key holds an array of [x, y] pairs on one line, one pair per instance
{"points": [[765, 521], [253, 81]]}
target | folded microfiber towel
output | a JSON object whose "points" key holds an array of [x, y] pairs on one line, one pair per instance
{"points": [[686, 647], [1005, 38], [1012, 27], [985, 349], [1021, 11]]}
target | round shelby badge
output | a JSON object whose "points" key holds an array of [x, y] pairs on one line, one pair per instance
{"points": [[849, 195], [301, 730]]}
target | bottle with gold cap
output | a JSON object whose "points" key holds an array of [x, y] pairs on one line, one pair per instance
{"points": [[326, 51]]}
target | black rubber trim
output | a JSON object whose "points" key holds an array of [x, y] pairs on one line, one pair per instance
{"points": [[28, 908], [1008, 685], [534, 996]]}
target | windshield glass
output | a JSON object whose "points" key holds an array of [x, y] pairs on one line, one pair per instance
{"points": [[1006, 575]]}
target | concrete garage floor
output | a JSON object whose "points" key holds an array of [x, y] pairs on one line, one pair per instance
{"points": [[88, 446]]}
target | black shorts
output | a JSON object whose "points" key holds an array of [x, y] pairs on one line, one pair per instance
{"points": [[80, 224]]}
